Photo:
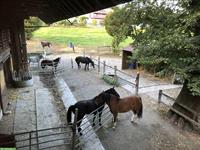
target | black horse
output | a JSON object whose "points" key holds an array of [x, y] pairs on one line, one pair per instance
{"points": [[85, 60], [45, 43], [53, 63], [87, 107]]}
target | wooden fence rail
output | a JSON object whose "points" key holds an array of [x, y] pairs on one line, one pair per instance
{"points": [[160, 94]]}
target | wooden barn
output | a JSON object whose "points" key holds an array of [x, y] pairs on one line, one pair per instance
{"points": [[126, 52], [13, 50]]}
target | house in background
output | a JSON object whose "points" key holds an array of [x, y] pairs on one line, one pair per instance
{"points": [[97, 16]]}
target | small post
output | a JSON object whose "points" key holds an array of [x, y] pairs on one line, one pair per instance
{"points": [[104, 67], [30, 140], [74, 129], [84, 53], [52, 66], [72, 63], [159, 96], [99, 64], [137, 83], [173, 78], [115, 73], [36, 136]]}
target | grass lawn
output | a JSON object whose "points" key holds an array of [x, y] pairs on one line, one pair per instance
{"points": [[81, 37]]}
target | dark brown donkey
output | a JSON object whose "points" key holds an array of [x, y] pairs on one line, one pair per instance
{"points": [[121, 105], [45, 43]]}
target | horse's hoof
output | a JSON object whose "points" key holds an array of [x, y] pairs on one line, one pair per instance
{"points": [[114, 127], [100, 124], [81, 134], [133, 122], [70, 124]]}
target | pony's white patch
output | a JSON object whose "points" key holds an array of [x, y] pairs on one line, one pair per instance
{"points": [[114, 125], [133, 118], [1, 114]]}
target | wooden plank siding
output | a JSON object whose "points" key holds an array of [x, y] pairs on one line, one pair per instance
{"points": [[5, 73]]}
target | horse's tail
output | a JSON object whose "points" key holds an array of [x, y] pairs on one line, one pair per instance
{"points": [[76, 59], [140, 111], [43, 65], [69, 113]]}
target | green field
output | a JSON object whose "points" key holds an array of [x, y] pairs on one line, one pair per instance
{"points": [[81, 37]]}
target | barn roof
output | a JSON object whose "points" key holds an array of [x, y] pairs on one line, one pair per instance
{"points": [[51, 10], [128, 48]]}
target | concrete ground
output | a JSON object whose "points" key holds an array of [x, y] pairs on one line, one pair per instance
{"points": [[36, 108], [153, 132]]}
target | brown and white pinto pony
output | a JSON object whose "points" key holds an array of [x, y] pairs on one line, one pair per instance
{"points": [[122, 105]]}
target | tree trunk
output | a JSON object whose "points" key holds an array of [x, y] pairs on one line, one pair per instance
{"points": [[187, 104]]}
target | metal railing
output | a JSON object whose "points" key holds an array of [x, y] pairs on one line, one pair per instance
{"points": [[46, 138], [86, 125], [50, 68], [122, 77], [62, 136]]}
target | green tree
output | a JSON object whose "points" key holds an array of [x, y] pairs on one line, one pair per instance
{"points": [[31, 25], [94, 22], [168, 38], [83, 20], [118, 26]]}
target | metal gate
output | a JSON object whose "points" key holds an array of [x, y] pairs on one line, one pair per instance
{"points": [[58, 137]]}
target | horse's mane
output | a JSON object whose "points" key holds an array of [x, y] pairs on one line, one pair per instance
{"points": [[114, 96], [112, 91], [57, 59], [89, 59]]}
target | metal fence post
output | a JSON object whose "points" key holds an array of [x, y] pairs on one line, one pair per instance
{"points": [[99, 64], [137, 83], [52, 67], [36, 136], [30, 140], [72, 63], [74, 129], [115, 73], [104, 67], [159, 96], [84, 53], [115, 70]]}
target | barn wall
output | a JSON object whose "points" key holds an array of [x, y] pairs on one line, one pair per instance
{"points": [[5, 73], [18, 47], [125, 55]]}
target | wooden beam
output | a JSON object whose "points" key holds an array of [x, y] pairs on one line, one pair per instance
{"points": [[71, 5]]}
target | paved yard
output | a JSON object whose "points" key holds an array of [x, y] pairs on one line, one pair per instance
{"points": [[153, 132]]}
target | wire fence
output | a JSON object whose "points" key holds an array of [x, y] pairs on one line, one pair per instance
{"points": [[88, 129], [62, 137], [51, 68], [122, 77], [42, 139]]}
